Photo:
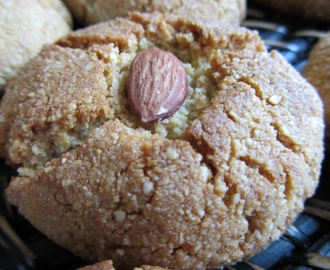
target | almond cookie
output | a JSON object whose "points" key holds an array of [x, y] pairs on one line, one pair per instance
{"points": [[317, 72], [318, 10], [25, 26], [211, 183], [88, 12]]}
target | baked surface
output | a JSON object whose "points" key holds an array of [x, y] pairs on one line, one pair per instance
{"points": [[88, 12], [217, 181], [25, 26], [318, 10], [317, 72]]}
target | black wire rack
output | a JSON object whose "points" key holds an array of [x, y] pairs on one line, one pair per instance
{"points": [[304, 245]]}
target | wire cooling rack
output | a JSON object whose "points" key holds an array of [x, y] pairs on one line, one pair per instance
{"points": [[305, 244]]}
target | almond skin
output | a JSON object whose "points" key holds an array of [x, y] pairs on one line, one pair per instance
{"points": [[157, 85]]}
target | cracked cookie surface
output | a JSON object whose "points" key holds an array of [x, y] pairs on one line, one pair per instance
{"points": [[216, 182]]}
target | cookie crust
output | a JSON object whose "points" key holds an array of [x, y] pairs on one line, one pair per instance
{"points": [[88, 12], [220, 188]]}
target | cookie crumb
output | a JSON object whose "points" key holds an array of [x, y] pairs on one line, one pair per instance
{"points": [[220, 187], [25, 172], [67, 182], [48, 169], [204, 173], [119, 215], [37, 150], [275, 100], [172, 154], [148, 188]]}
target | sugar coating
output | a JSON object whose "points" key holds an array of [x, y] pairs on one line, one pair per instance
{"points": [[216, 182]]}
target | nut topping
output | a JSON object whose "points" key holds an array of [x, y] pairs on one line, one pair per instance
{"points": [[157, 85]]}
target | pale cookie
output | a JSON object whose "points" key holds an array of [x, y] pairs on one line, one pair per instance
{"points": [[317, 10], [25, 26], [88, 12], [215, 182], [317, 72]]}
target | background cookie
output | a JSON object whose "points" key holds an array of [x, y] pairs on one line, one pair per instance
{"points": [[25, 26], [317, 72], [217, 181], [309, 9], [89, 11]]}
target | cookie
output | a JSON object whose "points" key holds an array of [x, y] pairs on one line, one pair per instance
{"points": [[25, 26], [88, 12], [214, 182], [317, 10], [317, 72]]}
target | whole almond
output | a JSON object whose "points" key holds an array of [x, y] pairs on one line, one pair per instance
{"points": [[157, 84]]}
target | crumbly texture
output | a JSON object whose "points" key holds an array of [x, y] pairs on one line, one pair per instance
{"points": [[25, 26], [309, 9], [216, 182], [88, 12], [317, 72]]}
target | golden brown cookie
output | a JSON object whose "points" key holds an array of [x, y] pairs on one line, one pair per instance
{"points": [[318, 10], [88, 12], [317, 72], [25, 26], [215, 182]]}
